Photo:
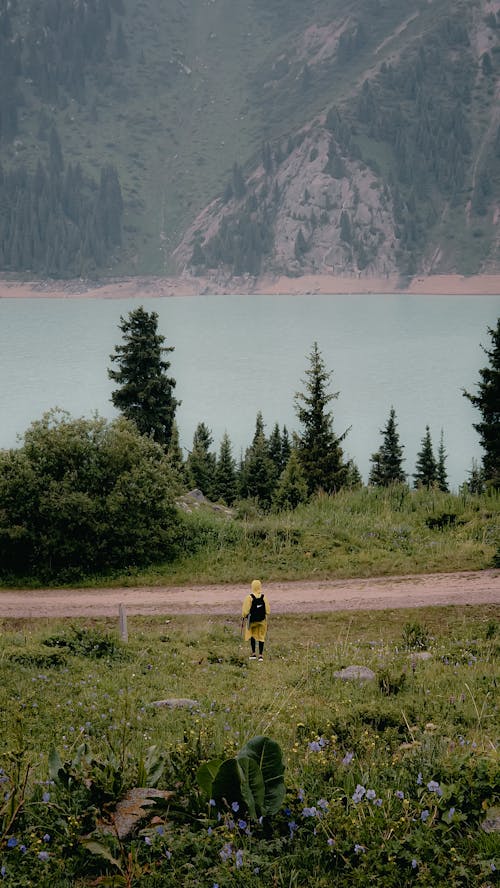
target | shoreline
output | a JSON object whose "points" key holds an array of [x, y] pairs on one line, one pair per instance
{"points": [[266, 285]]}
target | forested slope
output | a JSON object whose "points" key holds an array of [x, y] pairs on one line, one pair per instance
{"points": [[241, 136]]}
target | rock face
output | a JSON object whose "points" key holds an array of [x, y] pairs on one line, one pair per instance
{"points": [[355, 673], [316, 211]]}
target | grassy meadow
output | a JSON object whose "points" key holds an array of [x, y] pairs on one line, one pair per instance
{"points": [[356, 533], [389, 780]]}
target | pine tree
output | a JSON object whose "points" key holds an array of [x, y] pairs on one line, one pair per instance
{"points": [[291, 489], [226, 481], [425, 474], [258, 475], [145, 393], [488, 403], [387, 462], [174, 452], [201, 461], [318, 447], [441, 473]]}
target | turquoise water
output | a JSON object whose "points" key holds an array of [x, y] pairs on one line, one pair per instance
{"points": [[235, 355]]}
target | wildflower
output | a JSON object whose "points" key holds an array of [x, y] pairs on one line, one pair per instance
{"points": [[235, 806], [3, 871], [12, 842], [359, 849], [309, 812], [292, 826], [358, 794], [160, 830], [147, 840], [419, 779], [323, 804], [256, 870], [46, 797], [226, 851], [46, 837], [43, 855], [371, 794], [209, 831], [330, 842], [300, 795], [414, 863], [314, 746], [242, 824], [239, 858], [451, 812], [378, 803], [493, 868], [399, 794], [424, 815], [348, 758], [168, 854], [433, 786]]}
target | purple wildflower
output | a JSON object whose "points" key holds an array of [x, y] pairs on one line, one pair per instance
{"points": [[359, 849], [46, 797], [433, 786], [424, 815], [371, 794], [348, 758], [399, 794], [239, 858], [12, 842], [358, 794], [235, 806], [43, 855], [46, 837]]}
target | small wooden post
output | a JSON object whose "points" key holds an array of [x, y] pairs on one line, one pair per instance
{"points": [[123, 622]]}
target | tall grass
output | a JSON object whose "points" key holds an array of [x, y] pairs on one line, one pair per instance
{"points": [[365, 532]]}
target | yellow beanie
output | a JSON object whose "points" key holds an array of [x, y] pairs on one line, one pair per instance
{"points": [[256, 587]]}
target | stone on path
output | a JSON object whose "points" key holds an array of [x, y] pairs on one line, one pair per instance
{"points": [[355, 673]]}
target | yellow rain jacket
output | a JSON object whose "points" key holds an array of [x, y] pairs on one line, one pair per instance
{"points": [[257, 630]]}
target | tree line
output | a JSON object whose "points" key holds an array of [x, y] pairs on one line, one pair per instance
{"points": [[57, 221], [91, 495]]}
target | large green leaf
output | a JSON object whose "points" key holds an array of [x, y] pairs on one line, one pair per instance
{"points": [[252, 786], [206, 775], [240, 780], [267, 755]]}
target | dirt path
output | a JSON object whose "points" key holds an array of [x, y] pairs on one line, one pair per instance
{"points": [[467, 587]]}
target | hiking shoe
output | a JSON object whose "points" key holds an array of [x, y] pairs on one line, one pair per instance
{"points": [[252, 657], [261, 659]]}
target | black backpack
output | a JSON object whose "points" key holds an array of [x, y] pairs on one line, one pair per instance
{"points": [[257, 610]]}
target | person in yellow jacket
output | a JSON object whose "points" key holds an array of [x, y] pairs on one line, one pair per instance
{"points": [[255, 630]]}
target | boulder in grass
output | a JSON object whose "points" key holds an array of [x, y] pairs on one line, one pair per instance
{"points": [[355, 673], [491, 824], [176, 703], [131, 811]]}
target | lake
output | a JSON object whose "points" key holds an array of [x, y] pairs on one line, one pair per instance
{"points": [[235, 355]]}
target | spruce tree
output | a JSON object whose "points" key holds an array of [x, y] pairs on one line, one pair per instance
{"points": [[487, 401], [291, 489], [258, 477], [145, 392], [425, 474], [441, 473], [201, 461], [226, 480], [318, 446], [387, 462]]}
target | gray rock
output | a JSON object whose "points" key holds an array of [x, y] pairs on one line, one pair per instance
{"points": [[176, 703], [355, 673], [136, 807], [492, 822], [421, 655]]}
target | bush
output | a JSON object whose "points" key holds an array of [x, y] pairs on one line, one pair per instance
{"points": [[82, 496]]}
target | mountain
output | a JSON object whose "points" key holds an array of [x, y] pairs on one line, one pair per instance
{"points": [[236, 137]]}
